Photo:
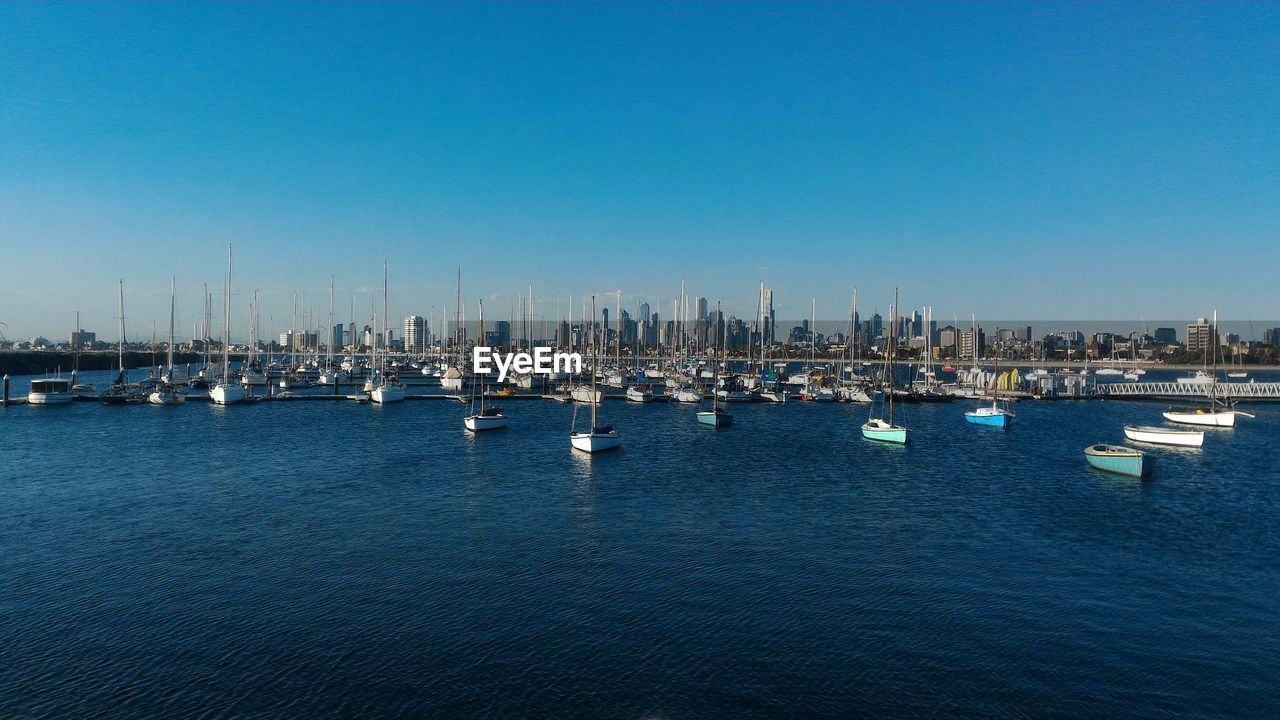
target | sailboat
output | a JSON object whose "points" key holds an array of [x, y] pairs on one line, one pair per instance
{"points": [[1219, 413], [387, 391], [882, 429], [227, 392], [120, 392], [994, 416], [80, 391], [167, 393], [451, 378], [598, 438], [715, 417], [488, 418]]}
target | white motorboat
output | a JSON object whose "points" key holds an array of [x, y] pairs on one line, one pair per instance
{"points": [[49, 391], [639, 394], [686, 394], [585, 394], [166, 394], [1199, 378], [1164, 435]]}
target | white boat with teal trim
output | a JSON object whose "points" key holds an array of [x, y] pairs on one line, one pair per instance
{"points": [[880, 429]]}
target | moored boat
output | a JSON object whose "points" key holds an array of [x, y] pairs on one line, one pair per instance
{"points": [[1210, 416], [1119, 460], [49, 391], [992, 416], [1164, 435], [877, 429]]}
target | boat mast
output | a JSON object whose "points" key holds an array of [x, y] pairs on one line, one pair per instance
{"points": [[332, 334], [893, 336], [715, 373], [483, 376], [386, 330], [120, 350], [595, 359], [226, 325], [173, 300]]}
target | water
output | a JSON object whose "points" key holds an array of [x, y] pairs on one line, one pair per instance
{"points": [[316, 559]]}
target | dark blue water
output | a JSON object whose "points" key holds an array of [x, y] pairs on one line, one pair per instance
{"points": [[319, 559]]}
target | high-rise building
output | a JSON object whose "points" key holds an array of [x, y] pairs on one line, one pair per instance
{"points": [[335, 340], [501, 335], [1271, 337], [80, 338], [770, 320], [1200, 335], [972, 345], [415, 334], [1166, 336]]}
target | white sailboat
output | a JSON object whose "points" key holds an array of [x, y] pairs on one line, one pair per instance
{"points": [[487, 418], [451, 379], [883, 429], [599, 438], [387, 390], [167, 393], [227, 392], [1219, 413]]}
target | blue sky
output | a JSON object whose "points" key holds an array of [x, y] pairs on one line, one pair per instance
{"points": [[1049, 161]]}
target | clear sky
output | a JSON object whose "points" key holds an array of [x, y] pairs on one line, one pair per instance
{"points": [[1065, 160]]}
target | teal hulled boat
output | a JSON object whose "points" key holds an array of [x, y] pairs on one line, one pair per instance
{"points": [[715, 418], [884, 432], [1119, 460]]}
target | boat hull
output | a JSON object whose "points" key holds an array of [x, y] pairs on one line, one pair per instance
{"points": [[888, 433], [595, 442], [1207, 418], [384, 394], [166, 398], [1130, 463], [480, 423], [715, 418], [999, 420], [227, 394], [1165, 436], [53, 398]]}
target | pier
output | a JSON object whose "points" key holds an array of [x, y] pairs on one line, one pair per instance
{"points": [[1237, 391]]}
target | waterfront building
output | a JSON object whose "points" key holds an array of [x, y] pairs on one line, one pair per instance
{"points": [[415, 334], [1199, 335]]}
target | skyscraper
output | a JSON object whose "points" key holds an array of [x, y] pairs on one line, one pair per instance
{"points": [[415, 334]]}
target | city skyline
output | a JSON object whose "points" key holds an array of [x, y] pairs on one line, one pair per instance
{"points": [[1044, 161]]}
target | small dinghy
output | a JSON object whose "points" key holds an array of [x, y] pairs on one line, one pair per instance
{"points": [[1118, 460]]}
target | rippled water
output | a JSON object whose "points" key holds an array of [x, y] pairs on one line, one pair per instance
{"points": [[321, 559]]}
